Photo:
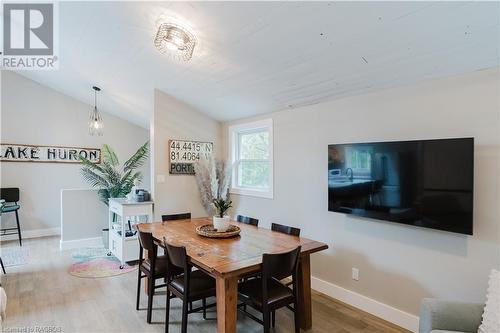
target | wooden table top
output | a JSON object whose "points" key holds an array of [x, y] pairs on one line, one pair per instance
{"points": [[228, 257]]}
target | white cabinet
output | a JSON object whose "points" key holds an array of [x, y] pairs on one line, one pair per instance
{"points": [[123, 214]]}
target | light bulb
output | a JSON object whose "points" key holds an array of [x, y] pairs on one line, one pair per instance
{"points": [[171, 46]]}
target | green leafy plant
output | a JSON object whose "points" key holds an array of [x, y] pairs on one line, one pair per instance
{"points": [[222, 206], [110, 178]]}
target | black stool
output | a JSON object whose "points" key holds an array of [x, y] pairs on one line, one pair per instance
{"points": [[11, 197]]}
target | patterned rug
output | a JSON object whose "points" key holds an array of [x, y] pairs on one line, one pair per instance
{"points": [[94, 263], [15, 256]]}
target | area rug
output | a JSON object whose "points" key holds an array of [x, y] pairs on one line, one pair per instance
{"points": [[15, 256], [95, 263]]}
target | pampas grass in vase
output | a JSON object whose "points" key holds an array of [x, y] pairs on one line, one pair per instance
{"points": [[214, 180]]}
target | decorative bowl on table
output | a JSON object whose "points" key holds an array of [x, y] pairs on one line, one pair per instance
{"points": [[208, 230]]}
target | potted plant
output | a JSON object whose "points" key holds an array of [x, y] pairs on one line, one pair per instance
{"points": [[214, 179], [221, 220], [110, 178]]}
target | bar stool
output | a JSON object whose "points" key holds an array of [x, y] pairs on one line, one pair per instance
{"points": [[11, 197]]}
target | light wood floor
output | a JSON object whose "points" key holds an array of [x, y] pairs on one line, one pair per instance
{"points": [[42, 293]]}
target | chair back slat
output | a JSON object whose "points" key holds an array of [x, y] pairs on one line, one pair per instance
{"points": [[284, 229], [175, 217], [177, 255], [9, 194], [247, 220], [146, 242], [280, 265]]}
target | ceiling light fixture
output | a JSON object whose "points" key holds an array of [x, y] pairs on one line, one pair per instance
{"points": [[95, 118], [175, 40]]}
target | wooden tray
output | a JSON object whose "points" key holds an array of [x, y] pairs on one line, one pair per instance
{"points": [[208, 230]]}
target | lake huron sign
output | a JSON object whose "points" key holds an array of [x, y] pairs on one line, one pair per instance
{"points": [[51, 154]]}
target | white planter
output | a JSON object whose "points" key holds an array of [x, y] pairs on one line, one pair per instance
{"points": [[221, 223]]}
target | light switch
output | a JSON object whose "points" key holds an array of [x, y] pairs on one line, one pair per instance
{"points": [[355, 274]]}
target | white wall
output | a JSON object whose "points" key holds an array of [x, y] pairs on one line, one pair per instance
{"points": [[174, 119], [35, 114], [80, 225], [398, 264]]}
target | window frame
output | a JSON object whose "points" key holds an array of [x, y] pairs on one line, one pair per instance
{"points": [[234, 143]]}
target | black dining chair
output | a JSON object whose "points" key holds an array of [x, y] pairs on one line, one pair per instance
{"points": [[190, 287], [266, 294], [153, 267], [247, 220], [250, 221], [11, 197], [175, 217], [284, 229]]}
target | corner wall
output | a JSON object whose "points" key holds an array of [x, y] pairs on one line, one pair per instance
{"points": [[174, 119], [35, 114], [399, 265]]}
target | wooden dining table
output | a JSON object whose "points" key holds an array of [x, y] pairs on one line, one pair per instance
{"points": [[228, 260]]}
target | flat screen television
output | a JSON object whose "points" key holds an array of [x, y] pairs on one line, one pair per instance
{"points": [[425, 183]]}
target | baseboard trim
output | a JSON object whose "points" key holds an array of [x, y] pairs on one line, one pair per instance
{"points": [[35, 233], [376, 308], [79, 243]]}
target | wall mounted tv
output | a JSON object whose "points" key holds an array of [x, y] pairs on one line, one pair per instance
{"points": [[427, 183]]}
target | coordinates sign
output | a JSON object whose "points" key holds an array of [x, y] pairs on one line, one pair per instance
{"points": [[183, 154], [54, 154]]}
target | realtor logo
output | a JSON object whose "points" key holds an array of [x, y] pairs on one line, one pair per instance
{"points": [[29, 31]]}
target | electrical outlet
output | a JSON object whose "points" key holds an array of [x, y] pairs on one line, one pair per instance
{"points": [[355, 274]]}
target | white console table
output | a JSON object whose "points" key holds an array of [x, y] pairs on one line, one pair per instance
{"points": [[122, 245]]}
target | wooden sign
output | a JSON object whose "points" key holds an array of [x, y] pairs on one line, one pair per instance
{"points": [[50, 154], [183, 154]]}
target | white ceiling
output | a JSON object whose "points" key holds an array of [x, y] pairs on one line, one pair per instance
{"points": [[259, 57]]}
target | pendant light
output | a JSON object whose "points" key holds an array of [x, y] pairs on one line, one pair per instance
{"points": [[95, 118]]}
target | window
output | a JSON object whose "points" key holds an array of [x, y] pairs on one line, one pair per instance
{"points": [[360, 161], [252, 155]]}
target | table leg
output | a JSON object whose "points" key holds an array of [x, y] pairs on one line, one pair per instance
{"points": [[305, 310], [227, 297]]}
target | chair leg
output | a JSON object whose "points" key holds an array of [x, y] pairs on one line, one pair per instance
{"points": [[151, 292], [19, 229], [3, 268], [273, 318], [204, 304], [296, 316], [138, 289], [184, 316], [167, 311], [266, 316]]}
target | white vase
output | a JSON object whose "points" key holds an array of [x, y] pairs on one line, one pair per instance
{"points": [[221, 223]]}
